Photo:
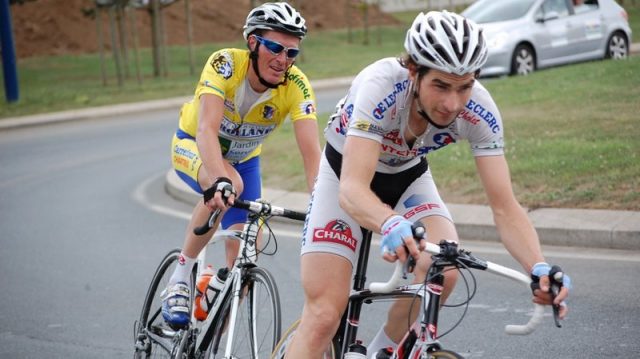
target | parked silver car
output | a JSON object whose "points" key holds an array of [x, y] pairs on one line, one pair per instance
{"points": [[525, 35]]}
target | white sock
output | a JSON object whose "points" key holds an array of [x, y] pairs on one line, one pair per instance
{"points": [[182, 270], [380, 341]]}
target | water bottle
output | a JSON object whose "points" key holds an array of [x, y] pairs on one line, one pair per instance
{"points": [[209, 285], [385, 353], [356, 351], [201, 286]]}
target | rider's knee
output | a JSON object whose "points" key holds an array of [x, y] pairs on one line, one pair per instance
{"points": [[322, 319]]}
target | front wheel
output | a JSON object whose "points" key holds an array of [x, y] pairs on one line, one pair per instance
{"points": [[281, 349], [257, 324], [153, 337], [444, 354]]}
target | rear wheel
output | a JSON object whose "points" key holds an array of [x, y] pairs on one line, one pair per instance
{"points": [[153, 337], [523, 60], [258, 320], [617, 46]]}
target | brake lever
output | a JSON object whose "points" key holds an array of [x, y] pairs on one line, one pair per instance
{"points": [[556, 277], [418, 233]]}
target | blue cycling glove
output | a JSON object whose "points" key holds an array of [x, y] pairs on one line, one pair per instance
{"points": [[394, 230], [541, 269]]}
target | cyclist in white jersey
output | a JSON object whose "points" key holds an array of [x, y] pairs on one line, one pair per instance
{"points": [[396, 112]]}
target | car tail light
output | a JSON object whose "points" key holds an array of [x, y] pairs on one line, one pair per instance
{"points": [[624, 14]]}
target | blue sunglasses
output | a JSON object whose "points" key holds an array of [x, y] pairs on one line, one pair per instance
{"points": [[276, 48]]}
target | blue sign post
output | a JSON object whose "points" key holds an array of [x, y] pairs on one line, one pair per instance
{"points": [[9, 67]]}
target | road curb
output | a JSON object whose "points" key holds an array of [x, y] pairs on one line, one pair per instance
{"points": [[562, 227], [131, 108]]}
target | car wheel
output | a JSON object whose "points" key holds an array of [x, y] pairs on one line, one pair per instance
{"points": [[617, 46], [523, 61]]}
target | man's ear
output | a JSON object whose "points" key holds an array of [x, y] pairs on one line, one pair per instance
{"points": [[251, 42]]}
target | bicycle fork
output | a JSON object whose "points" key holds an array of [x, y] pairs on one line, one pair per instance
{"points": [[426, 338]]}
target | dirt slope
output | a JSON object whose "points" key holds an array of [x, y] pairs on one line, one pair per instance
{"points": [[45, 27]]}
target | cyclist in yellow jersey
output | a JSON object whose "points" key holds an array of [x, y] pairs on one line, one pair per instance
{"points": [[242, 97]]}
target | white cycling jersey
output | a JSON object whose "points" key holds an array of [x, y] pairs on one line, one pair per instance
{"points": [[377, 107]]}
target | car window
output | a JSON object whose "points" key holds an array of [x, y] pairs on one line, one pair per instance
{"points": [[558, 6], [485, 11], [582, 6]]}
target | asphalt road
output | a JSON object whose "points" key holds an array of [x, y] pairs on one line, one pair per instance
{"points": [[84, 220]]}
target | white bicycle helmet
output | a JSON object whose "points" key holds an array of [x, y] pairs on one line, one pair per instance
{"points": [[447, 42], [277, 16]]}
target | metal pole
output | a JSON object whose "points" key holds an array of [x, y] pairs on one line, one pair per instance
{"points": [[9, 67]]}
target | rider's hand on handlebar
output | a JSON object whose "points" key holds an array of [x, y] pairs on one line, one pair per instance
{"points": [[550, 291], [220, 195], [398, 241]]}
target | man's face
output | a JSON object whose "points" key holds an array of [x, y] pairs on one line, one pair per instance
{"points": [[272, 66], [443, 95]]}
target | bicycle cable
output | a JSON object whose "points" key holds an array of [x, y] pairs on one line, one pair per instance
{"points": [[270, 236], [459, 266]]}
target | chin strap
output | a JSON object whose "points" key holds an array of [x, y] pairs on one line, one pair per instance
{"points": [[253, 55], [426, 117]]}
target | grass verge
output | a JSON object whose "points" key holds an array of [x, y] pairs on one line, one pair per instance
{"points": [[572, 140]]}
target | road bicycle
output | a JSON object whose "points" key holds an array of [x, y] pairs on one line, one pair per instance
{"points": [[245, 318], [422, 338]]}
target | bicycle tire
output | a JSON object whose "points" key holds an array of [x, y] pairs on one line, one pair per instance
{"points": [[281, 347], [259, 309], [443, 354], [153, 337]]}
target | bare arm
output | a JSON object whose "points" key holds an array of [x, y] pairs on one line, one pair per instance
{"points": [[306, 131], [516, 231], [210, 118], [359, 162]]}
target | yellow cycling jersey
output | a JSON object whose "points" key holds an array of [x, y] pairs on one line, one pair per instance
{"points": [[241, 138]]}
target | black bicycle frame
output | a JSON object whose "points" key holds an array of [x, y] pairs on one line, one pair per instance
{"points": [[348, 328]]}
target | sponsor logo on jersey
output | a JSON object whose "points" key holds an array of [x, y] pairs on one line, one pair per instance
{"points": [[181, 260], [394, 136], [300, 82], [389, 149], [229, 105], [469, 117], [484, 114], [389, 100], [222, 65], [267, 112], [443, 139], [307, 107], [362, 125], [246, 130], [337, 231]]}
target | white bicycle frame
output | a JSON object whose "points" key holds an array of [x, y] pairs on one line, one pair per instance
{"points": [[246, 254]]}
